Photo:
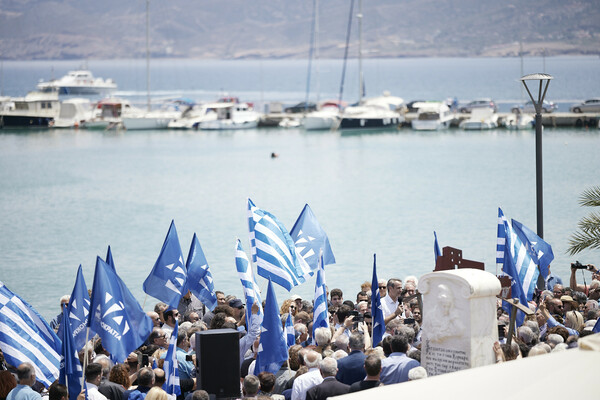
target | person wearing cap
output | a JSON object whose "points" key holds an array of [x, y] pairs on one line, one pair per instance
{"points": [[568, 303], [238, 309], [298, 300]]}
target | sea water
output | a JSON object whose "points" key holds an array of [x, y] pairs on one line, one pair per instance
{"points": [[65, 195]]}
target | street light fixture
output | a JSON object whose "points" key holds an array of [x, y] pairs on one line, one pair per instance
{"points": [[542, 79]]}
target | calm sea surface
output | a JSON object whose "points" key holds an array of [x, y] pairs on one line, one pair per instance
{"points": [[65, 195]]}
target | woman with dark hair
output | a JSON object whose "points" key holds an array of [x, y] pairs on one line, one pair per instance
{"points": [[7, 383]]}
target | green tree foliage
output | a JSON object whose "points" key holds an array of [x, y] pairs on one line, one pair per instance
{"points": [[588, 235]]}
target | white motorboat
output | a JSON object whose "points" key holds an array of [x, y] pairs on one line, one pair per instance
{"points": [[35, 110], [231, 115], [480, 119], [432, 115], [193, 116], [79, 82], [325, 118], [107, 114], [519, 121], [73, 113]]}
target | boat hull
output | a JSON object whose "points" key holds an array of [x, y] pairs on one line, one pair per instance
{"points": [[369, 123], [144, 123], [24, 121]]}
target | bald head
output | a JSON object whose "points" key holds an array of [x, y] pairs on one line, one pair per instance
{"points": [[312, 359]]}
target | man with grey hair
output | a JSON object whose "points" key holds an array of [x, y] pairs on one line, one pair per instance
{"points": [[554, 339], [330, 386], [250, 386], [311, 378], [526, 335], [23, 391], [110, 390], [417, 373], [351, 368]]}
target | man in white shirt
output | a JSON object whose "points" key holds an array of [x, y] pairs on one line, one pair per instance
{"points": [[311, 378], [93, 376], [390, 305]]}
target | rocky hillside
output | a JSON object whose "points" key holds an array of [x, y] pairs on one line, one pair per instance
{"points": [[232, 29]]}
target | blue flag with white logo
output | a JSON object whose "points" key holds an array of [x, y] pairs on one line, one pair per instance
{"points": [[199, 279], [78, 311], [275, 253], [70, 367], [166, 281], [272, 350], [170, 366], [436, 247], [115, 315], [310, 239], [539, 251], [376, 310], [320, 315], [26, 337]]}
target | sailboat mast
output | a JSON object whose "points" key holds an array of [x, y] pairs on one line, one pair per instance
{"points": [[317, 48], [148, 53], [360, 71]]}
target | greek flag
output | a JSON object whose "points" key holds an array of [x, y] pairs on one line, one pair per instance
{"points": [[522, 274], [70, 367], [501, 238], [436, 247], [272, 349], [310, 239], [26, 337], [167, 278], [290, 334], [78, 311], [251, 290], [274, 251], [170, 366], [199, 279], [115, 315], [376, 311], [321, 317], [539, 251]]}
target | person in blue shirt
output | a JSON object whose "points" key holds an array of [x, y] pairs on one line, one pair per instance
{"points": [[23, 391], [552, 280], [394, 369]]}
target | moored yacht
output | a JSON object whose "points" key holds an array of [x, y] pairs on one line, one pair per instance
{"points": [[36, 109], [230, 114], [432, 115], [79, 82], [73, 113]]}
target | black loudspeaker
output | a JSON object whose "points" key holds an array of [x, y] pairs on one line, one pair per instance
{"points": [[218, 362]]}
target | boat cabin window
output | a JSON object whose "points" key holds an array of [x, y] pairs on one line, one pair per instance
{"points": [[428, 116], [21, 105]]}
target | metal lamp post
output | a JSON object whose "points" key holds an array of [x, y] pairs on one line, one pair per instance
{"points": [[544, 81]]}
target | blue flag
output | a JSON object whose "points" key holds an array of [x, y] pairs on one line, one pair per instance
{"points": [[70, 367], [290, 334], [167, 279], [78, 311], [596, 328], [109, 259], [310, 239], [26, 337], [320, 314], [376, 311], [272, 350], [170, 366], [539, 251], [116, 315], [436, 247], [251, 289], [276, 255], [199, 279]]}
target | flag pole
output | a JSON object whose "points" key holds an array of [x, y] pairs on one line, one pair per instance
{"points": [[85, 358], [145, 298]]}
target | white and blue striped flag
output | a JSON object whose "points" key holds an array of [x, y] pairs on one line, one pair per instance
{"points": [[26, 337], [170, 366], [290, 333], [251, 290], [521, 262], [321, 317], [501, 239], [274, 251]]}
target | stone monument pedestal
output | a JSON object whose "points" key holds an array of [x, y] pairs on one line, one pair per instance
{"points": [[459, 319]]}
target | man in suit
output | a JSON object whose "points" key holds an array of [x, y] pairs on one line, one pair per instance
{"points": [[330, 386], [351, 368], [373, 368]]}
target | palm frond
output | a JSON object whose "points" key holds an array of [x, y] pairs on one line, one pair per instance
{"points": [[581, 241], [590, 197], [590, 224]]}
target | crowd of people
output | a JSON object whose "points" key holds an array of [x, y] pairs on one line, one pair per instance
{"points": [[334, 361]]}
